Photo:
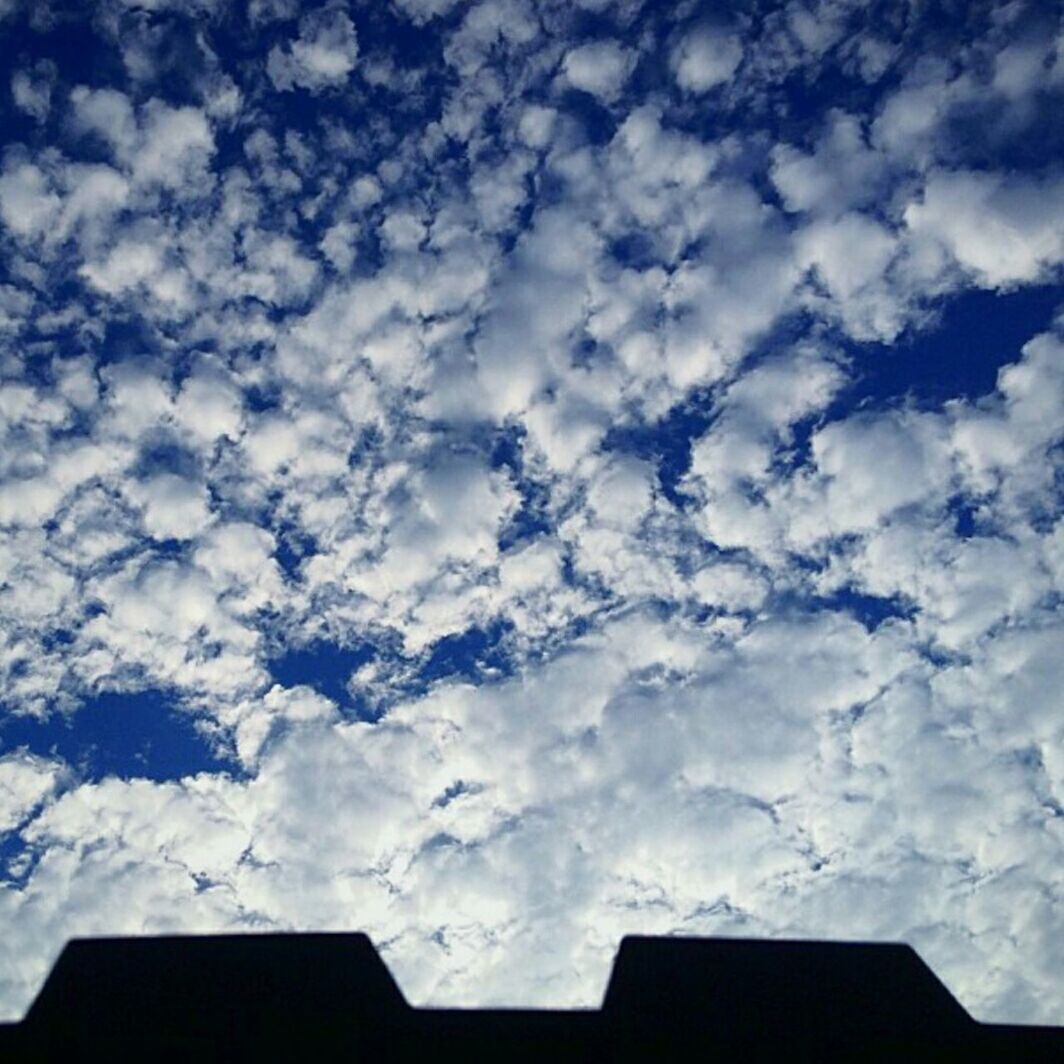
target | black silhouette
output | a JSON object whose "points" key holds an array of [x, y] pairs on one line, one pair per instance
{"points": [[313, 997]]}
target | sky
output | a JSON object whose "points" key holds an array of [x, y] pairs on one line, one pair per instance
{"points": [[505, 474]]}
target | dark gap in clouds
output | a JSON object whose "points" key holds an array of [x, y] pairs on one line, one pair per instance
{"points": [[803, 101], [870, 610], [477, 654], [294, 546], [797, 452], [1049, 508], [549, 189], [17, 860], [325, 667], [19, 128], [455, 790], [70, 41], [978, 333], [369, 253], [592, 584], [59, 637], [598, 122], [522, 217], [531, 518], [228, 147], [261, 398], [164, 548], [583, 25], [990, 135], [634, 250], [35, 357], [368, 445], [667, 442], [965, 516], [178, 63], [394, 109], [652, 75], [88, 145], [126, 734], [166, 455], [381, 26], [127, 337]]}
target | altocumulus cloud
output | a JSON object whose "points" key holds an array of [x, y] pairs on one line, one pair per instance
{"points": [[502, 474]]}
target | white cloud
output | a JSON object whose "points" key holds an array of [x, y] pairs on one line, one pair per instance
{"points": [[209, 405], [841, 172], [433, 368], [128, 264], [321, 57], [536, 125], [705, 58], [159, 146], [25, 782], [849, 253], [28, 205], [31, 89], [851, 256], [600, 68], [175, 145], [107, 113], [93, 195], [1004, 230], [621, 493], [757, 777], [872, 466], [174, 508]]}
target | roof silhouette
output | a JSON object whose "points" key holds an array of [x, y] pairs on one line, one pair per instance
{"points": [[330, 996]]}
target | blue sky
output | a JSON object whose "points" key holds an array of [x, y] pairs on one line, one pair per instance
{"points": [[502, 475]]}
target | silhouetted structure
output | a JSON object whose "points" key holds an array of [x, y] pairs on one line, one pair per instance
{"points": [[330, 997]]}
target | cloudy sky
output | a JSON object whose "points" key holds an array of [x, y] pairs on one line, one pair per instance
{"points": [[502, 474]]}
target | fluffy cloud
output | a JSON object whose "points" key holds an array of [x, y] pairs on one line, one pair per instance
{"points": [[1005, 231], [522, 491], [841, 172], [447, 823], [24, 783], [27, 203], [600, 68], [31, 89], [704, 58], [321, 57]]}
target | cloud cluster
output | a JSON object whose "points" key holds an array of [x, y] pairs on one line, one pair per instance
{"points": [[513, 352], [321, 57]]}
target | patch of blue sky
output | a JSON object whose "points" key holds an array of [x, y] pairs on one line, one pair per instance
{"points": [[598, 122], [60, 34], [477, 654], [977, 333], [870, 610], [965, 516], [137, 734], [17, 859], [294, 546], [667, 442], [505, 451], [326, 668]]}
